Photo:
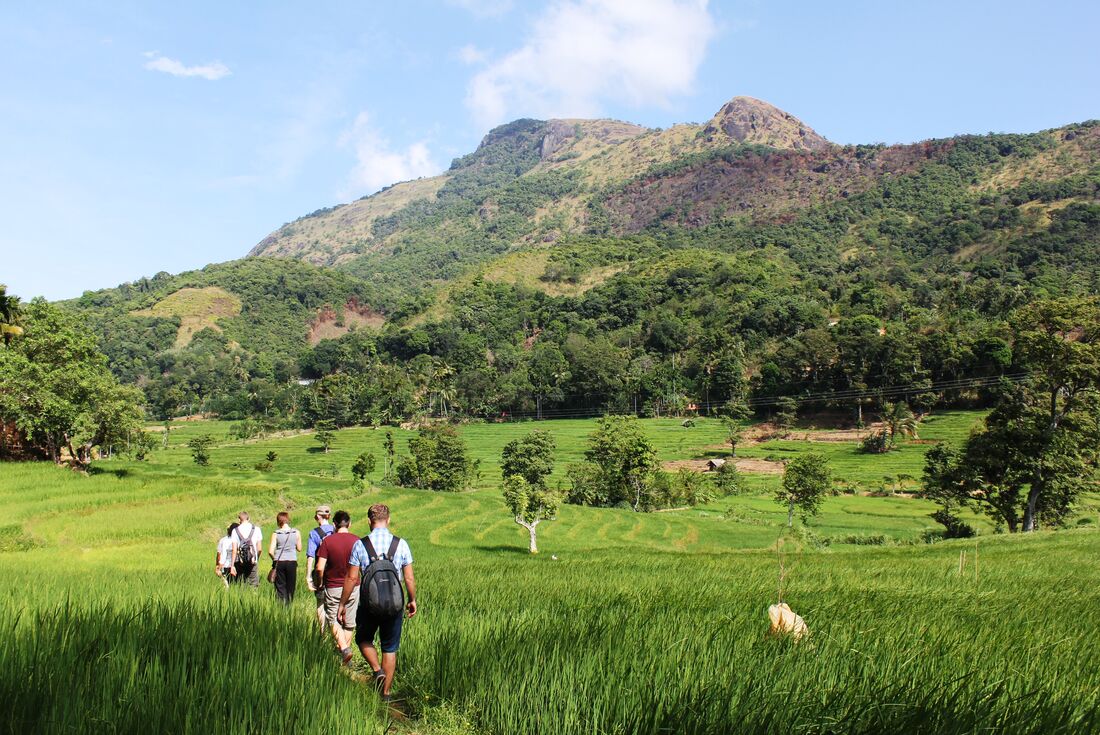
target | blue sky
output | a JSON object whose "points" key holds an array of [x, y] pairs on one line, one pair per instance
{"points": [[137, 137]]}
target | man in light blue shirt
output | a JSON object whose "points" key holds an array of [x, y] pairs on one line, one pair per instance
{"points": [[316, 536], [388, 629]]}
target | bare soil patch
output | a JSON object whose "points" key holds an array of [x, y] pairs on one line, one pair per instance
{"points": [[331, 324], [743, 464]]}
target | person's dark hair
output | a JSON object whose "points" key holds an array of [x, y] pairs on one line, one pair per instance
{"points": [[281, 518], [232, 527], [341, 519], [378, 512]]}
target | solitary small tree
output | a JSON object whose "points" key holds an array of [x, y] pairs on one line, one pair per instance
{"points": [[325, 432], [786, 413], [364, 465], [200, 449], [735, 432], [391, 454], [530, 505], [806, 480]]}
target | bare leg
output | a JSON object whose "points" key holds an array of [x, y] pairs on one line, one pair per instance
{"points": [[370, 655], [321, 617], [389, 664], [341, 636]]}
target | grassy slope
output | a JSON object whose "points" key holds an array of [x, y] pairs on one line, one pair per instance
{"points": [[516, 643], [197, 309]]}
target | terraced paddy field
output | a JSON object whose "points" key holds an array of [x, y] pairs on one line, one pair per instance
{"points": [[626, 623]]}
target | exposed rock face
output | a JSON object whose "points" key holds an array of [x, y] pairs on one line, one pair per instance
{"points": [[558, 133], [749, 120]]}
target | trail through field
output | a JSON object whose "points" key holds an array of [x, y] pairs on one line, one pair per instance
{"points": [[744, 464]]}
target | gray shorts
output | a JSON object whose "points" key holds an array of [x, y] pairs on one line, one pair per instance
{"points": [[332, 606]]}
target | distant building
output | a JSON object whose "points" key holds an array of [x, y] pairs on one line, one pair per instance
{"points": [[713, 465]]}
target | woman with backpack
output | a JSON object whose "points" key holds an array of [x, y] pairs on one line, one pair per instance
{"points": [[286, 542]]}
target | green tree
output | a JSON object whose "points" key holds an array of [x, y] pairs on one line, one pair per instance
{"points": [[806, 481], [530, 457], [1058, 343], [898, 420], [786, 413], [56, 388], [142, 444], [547, 370], [530, 505], [200, 449], [391, 456], [438, 461], [324, 433], [735, 432], [621, 462], [361, 469]]}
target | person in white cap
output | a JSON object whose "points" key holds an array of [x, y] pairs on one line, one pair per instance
{"points": [[316, 536]]}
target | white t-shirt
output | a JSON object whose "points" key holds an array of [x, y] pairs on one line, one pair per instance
{"points": [[246, 532], [225, 552]]}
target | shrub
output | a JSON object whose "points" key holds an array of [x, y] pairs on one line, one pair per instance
{"points": [[876, 443], [953, 526]]}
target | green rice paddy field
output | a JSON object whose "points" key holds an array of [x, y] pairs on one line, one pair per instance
{"points": [[113, 620]]}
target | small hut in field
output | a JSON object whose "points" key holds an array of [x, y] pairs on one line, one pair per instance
{"points": [[713, 465]]}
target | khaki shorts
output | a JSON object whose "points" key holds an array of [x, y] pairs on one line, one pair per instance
{"points": [[332, 606]]}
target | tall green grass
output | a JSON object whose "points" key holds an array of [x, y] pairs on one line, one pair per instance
{"points": [[113, 620]]}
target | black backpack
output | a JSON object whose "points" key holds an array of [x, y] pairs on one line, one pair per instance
{"points": [[246, 550], [381, 590]]}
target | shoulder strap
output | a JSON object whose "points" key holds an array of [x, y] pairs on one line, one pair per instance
{"points": [[371, 553], [392, 553], [237, 533]]}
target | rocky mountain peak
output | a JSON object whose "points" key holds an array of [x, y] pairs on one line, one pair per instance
{"points": [[749, 120]]}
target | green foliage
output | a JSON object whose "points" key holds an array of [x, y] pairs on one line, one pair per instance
{"points": [[619, 467], [877, 442], [200, 449], [729, 481], [142, 444], [786, 413], [324, 431], [806, 481], [55, 388], [363, 467], [1036, 453], [438, 461], [530, 457]]}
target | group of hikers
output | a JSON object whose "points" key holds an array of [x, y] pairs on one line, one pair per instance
{"points": [[357, 581]]}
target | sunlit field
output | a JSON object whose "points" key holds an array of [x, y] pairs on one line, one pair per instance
{"points": [[625, 623]]}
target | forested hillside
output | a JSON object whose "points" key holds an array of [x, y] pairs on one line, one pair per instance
{"points": [[579, 266]]}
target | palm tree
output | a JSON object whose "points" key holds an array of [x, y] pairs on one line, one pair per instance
{"points": [[9, 315], [898, 418]]}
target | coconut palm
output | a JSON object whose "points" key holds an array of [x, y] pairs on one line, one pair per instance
{"points": [[898, 419]]}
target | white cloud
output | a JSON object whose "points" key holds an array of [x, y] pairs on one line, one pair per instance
{"points": [[471, 54], [378, 164], [483, 8], [582, 53], [212, 70]]}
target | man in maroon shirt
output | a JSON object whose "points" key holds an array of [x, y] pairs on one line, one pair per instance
{"points": [[332, 568]]}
